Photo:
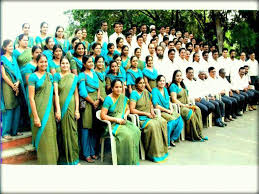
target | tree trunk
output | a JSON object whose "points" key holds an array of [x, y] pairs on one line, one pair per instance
{"points": [[177, 19], [219, 31]]}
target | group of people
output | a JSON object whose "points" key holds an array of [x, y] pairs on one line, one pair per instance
{"points": [[57, 85]]}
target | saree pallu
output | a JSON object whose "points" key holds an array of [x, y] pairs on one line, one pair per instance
{"points": [[24, 58], [132, 76], [102, 84], [151, 76], [126, 64], [192, 117], [68, 135], [155, 139], [127, 136], [49, 55], [45, 137], [75, 63], [141, 65], [69, 54], [64, 45]]}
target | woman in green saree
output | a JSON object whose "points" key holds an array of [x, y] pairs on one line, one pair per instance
{"points": [[89, 87], [154, 129], [25, 29], [22, 54], [60, 39], [141, 64], [11, 84], [43, 125], [48, 50], [125, 59], [127, 135], [67, 112], [76, 63], [150, 74], [191, 114], [55, 62], [41, 39], [84, 41]]}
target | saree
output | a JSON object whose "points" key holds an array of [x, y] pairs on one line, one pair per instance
{"points": [[75, 63], [104, 50], [102, 84], [53, 65], [70, 54], [30, 41], [110, 77], [192, 117], [49, 55], [127, 136], [68, 135], [132, 76], [89, 85], [44, 138], [64, 44], [126, 64], [174, 121], [154, 131], [141, 64], [151, 76], [40, 41], [22, 58]]}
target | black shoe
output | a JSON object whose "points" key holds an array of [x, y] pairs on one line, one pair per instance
{"points": [[225, 124], [239, 114], [234, 116], [172, 143], [220, 124]]}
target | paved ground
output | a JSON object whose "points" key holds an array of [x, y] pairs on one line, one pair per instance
{"points": [[235, 144]]}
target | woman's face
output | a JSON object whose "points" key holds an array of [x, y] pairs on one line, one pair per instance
{"points": [[141, 85], [60, 33], [79, 34], [118, 60], [150, 62], [64, 65], [138, 53], [111, 50], [84, 33], [99, 36], [117, 89], [126, 51], [187, 55], [24, 42], [100, 63], [178, 77], [50, 44], [89, 64], [161, 82], [9, 48], [114, 68], [97, 50], [80, 50], [134, 62], [75, 43], [36, 53], [58, 53], [44, 29], [42, 63], [120, 45]]}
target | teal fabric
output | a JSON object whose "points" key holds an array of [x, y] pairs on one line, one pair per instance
{"points": [[49, 55], [149, 74], [64, 45], [159, 99], [132, 76]]}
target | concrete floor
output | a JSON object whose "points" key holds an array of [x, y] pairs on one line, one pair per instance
{"points": [[235, 144]]}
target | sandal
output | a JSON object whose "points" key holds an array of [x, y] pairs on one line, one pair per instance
{"points": [[94, 157], [89, 159], [8, 137], [19, 134]]}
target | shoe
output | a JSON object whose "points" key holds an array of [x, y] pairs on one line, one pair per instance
{"points": [[169, 147], [254, 107], [234, 116], [225, 124], [220, 124], [8, 137], [94, 157], [250, 108], [227, 120], [231, 119], [239, 114], [172, 143], [89, 159]]}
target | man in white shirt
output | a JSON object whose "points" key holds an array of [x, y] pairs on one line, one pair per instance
{"points": [[104, 28], [169, 46], [152, 51], [241, 85], [214, 61], [197, 93], [214, 91], [212, 48], [234, 64], [151, 35], [161, 34], [178, 45], [253, 67], [234, 104], [172, 34], [129, 43], [225, 62], [143, 28], [205, 63], [158, 61], [117, 33], [242, 59], [197, 65], [144, 50], [187, 57]]}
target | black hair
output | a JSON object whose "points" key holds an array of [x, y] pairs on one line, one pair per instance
{"points": [[102, 22], [20, 37], [131, 58], [221, 70], [214, 51], [138, 37], [194, 55], [63, 57], [74, 39], [110, 64], [151, 40], [114, 82], [25, 24], [137, 49], [95, 45], [173, 79], [55, 47], [138, 80], [116, 56], [159, 77], [241, 68], [84, 60], [47, 41], [152, 30], [210, 69], [171, 50], [224, 49], [188, 69], [123, 47], [99, 30], [34, 48], [246, 66], [57, 30], [118, 40], [204, 53], [231, 51], [39, 56], [109, 46], [42, 24], [127, 34], [77, 45], [147, 57], [170, 42], [116, 24], [77, 30], [5, 44], [165, 38], [97, 58], [181, 49], [177, 42]]}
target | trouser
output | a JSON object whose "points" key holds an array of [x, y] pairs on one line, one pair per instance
{"points": [[88, 141], [253, 79], [10, 120], [241, 101], [206, 108], [255, 95], [230, 105], [249, 97], [219, 108]]}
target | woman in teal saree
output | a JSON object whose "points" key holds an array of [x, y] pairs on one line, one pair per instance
{"points": [[55, 62], [25, 29], [60, 39], [48, 51], [125, 59], [76, 63], [99, 70], [41, 39], [154, 129], [67, 112], [43, 125], [150, 74], [11, 87], [127, 135]]}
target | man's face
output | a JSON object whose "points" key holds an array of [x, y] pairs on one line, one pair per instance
{"points": [[140, 41], [252, 56], [225, 54], [117, 28], [134, 29], [246, 70], [159, 51], [196, 48], [222, 74], [206, 56], [182, 54], [243, 56], [173, 31], [190, 74], [242, 72], [233, 54], [171, 45], [171, 56], [213, 73], [178, 45], [186, 34], [143, 28], [202, 76], [151, 49], [162, 30], [104, 26], [167, 29], [215, 55], [206, 48]]}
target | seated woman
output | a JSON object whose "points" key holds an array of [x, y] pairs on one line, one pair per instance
{"points": [[190, 113], [161, 101], [150, 74], [154, 128], [133, 73], [127, 135]]}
